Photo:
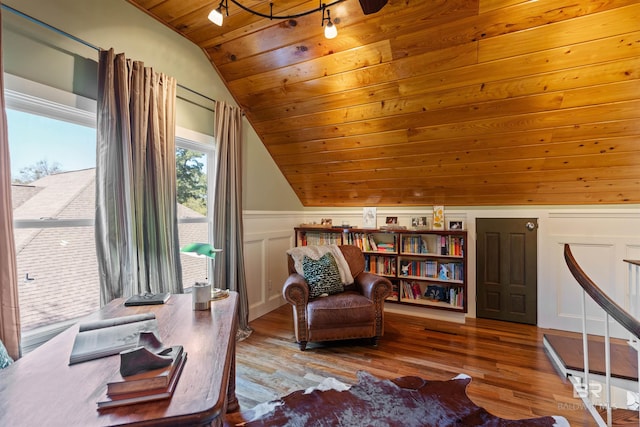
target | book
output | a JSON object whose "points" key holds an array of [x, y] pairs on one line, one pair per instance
{"points": [[111, 401], [147, 299], [372, 243], [149, 380], [107, 337]]}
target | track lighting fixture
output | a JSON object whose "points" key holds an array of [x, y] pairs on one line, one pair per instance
{"points": [[330, 30]]}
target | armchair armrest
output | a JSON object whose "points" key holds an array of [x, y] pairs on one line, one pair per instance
{"points": [[372, 286], [296, 290]]}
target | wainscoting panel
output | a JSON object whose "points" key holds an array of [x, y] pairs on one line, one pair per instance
{"points": [[278, 271], [599, 241], [267, 237], [632, 252], [599, 258], [598, 261], [255, 274]]}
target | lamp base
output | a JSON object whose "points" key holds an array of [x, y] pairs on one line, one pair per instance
{"points": [[201, 296]]}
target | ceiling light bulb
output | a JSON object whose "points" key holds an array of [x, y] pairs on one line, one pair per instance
{"points": [[216, 16], [330, 30]]}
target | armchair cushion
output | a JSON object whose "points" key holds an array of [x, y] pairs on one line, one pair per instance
{"points": [[347, 309], [297, 254], [322, 275]]}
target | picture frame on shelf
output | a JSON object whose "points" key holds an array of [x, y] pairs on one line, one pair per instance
{"points": [[392, 220], [369, 218], [455, 224], [438, 218], [419, 223]]}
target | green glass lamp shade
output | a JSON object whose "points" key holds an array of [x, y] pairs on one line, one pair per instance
{"points": [[200, 250]]}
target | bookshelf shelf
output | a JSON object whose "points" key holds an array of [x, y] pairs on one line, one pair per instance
{"points": [[427, 268]]}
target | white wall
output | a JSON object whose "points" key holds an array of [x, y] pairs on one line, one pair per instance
{"points": [[600, 237]]}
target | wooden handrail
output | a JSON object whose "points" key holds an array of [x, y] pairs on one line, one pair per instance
{"points": [[629, 322]]}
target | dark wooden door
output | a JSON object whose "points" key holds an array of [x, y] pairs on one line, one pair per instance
{"points": [[506, 269]]}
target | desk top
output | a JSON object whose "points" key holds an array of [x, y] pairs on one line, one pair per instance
{"points": [[42, 389]]}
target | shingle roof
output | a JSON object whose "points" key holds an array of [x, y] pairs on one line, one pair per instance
{"points": [[57, 266]]}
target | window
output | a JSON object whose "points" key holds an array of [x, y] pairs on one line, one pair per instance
{"points": [[53, 187], [194, 166], [53, 153]]}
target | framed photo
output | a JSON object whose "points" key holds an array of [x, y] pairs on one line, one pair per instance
{"points": [[327, 222], [369, 218], [438, 218], [392, 220], [455, 225], [419, 222]]}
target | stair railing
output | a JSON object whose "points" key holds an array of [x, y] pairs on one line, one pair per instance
{"points": [[611, 309], [634, 295]]}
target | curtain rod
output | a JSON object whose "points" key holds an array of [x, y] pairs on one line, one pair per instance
{"points": [[96, 48]]}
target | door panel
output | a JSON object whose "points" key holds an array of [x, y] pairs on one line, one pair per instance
{"points": [[506, 271]]}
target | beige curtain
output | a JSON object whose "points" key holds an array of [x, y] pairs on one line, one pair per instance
{"points": [[9, 310], [228, 230], [136, 220]]}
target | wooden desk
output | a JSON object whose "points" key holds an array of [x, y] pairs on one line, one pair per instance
{"points": [[41, 389]]}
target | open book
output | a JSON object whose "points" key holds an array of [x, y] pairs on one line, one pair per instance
{"points": [[110, 336]]}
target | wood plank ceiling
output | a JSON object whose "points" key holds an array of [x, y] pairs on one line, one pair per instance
{"points": [[455, 102]]}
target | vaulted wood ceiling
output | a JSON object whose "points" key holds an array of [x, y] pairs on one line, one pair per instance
{"points": [[455, 102]]}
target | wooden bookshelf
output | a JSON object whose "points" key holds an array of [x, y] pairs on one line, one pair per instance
{"points": [[428, 268]]}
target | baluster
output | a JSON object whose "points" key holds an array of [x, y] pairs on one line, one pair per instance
{"points": [[607, 363]]}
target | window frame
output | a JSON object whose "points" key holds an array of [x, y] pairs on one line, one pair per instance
{"points": [[35, 98], [196, 141]]}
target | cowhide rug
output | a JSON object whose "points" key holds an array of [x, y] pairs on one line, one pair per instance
{"points": [[406, 401]]}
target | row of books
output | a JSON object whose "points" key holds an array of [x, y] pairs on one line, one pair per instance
{"points": [[367, 243], [319, 238], [411, 290], [432, 269], [380, 264], [433, 244], [146, 386], [452, 245], [416, 291]]}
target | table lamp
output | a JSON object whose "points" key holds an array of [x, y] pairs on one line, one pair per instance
{"points": [[203, 292], [200, 250]]}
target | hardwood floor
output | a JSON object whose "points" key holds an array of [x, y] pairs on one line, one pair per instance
{"points": [[512, 376]]}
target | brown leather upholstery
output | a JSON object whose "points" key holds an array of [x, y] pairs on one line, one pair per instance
{"points": [[358, 312]]}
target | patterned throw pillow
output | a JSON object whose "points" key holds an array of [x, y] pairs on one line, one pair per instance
{"points": [[322, 275], [5, 359]]}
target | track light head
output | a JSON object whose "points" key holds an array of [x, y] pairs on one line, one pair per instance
{"points": [[330, 30], [215, 15]]}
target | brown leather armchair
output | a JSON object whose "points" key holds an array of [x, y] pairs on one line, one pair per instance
{"points": [[358, 312]]}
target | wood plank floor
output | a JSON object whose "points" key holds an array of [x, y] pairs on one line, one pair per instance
{"points": [[512, 375]]}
